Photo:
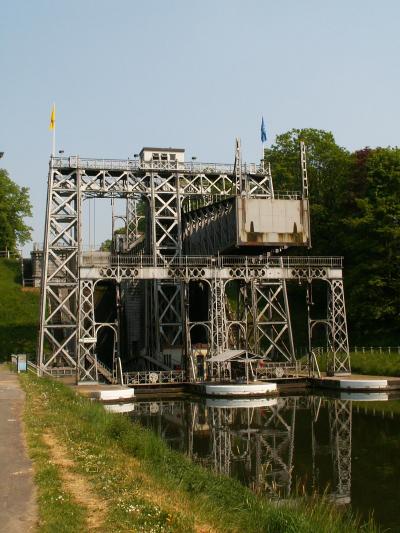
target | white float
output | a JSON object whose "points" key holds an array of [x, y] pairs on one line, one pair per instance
{"points": [[241, 389], [107, 395], [363, 383], [365, 396], [119, 407], [245, 403]]}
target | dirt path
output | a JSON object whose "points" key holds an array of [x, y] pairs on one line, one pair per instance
{"points": [[18, 512], [76, 484]]}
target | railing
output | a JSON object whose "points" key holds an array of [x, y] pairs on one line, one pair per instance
{"points": [[288, 195], [55, 372], [10, 255], [138, 164], [107, 259], [375, 349], [277, 370], [302, 351], [150, 377], [58, 372]]}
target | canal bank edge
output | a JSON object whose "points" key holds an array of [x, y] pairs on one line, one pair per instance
{"points": [[144, 484]]}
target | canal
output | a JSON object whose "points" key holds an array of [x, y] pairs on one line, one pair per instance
{"points": [[289, 446]]}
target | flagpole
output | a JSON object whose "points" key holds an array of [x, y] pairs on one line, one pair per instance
{"points": [[53, 151], [263, 139], [263, 155]]}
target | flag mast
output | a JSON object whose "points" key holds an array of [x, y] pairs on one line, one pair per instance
{"points": [[263, 139], [52, 127]]}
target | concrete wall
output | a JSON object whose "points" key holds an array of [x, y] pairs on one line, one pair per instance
{"points": [[272, 222]]}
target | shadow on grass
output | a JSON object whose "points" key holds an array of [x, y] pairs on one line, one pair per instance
{"points": [[17, 339]]}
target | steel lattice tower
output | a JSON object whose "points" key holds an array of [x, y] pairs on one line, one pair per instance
{"points": [[192, 213]]}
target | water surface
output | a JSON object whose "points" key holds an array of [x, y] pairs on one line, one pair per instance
{"points": [[283, 447]]}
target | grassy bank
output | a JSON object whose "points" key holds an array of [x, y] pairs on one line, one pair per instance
{"points": [[376, 364], [373, 364], [137, 482], [19, 311]]}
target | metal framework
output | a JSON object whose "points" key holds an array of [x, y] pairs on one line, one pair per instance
{"points": [[68, 328], [340, 431]]}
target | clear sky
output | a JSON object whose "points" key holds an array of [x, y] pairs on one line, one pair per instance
{"points": [[193, 74]]}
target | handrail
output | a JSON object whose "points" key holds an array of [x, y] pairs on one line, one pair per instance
{"points": [[154, 377], [38, 371], [138, 164], [107, 259]]}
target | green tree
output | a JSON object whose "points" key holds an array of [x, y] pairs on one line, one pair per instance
{"points": [[355, 212], [328, 169], [105, 246], [371, 244], [14, 207]]}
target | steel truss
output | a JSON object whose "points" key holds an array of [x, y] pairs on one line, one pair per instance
{"points": [[273, 331], [67, 317], [337, 330], [87, 359], [336, 327], [60, 276], [132, 221]]}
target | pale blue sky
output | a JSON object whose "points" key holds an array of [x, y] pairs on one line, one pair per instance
{"points": [[192, 74]]}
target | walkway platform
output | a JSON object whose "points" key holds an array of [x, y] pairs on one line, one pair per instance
{"points": [[357, 383], [18, 509]]}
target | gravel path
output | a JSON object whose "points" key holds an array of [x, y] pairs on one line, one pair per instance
{"points": [[17, 491]]}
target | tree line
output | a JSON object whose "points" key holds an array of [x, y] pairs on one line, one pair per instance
{"points": [[355, 213], [14, 207]]}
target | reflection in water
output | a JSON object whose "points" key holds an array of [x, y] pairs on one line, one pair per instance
{"points": [[253, 440], [260, 440], [340, 419]]}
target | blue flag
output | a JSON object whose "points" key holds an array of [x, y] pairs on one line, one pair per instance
{"points": [[263, 132]]}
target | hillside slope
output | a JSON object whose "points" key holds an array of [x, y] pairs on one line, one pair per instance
{"points": [[19, 312]]}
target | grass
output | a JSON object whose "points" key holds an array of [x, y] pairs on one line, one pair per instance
{"points": [[376, 364], [146, 486], [19, 312], [372, 364]]}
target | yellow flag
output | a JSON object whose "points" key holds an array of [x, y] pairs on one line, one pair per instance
{"points": [[52, 124]]}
